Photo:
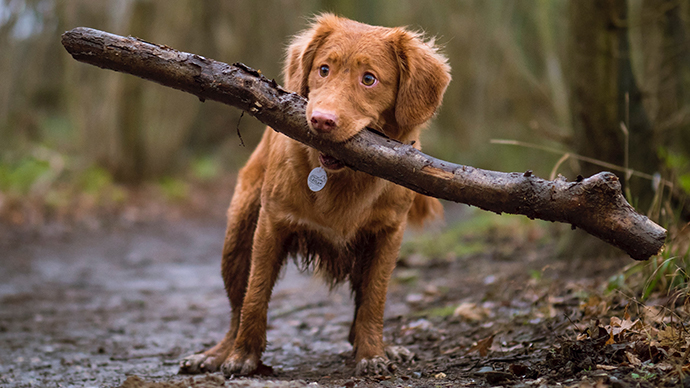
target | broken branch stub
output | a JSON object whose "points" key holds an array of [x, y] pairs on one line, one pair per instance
{"points": [[595, 204]]}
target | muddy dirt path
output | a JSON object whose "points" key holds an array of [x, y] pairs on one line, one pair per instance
{"points": [[93, 309], [123, 306]]}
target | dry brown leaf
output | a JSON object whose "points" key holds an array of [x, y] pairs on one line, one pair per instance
{"points": [[668, 336], [483, 346], [595, 306], [606, 367], [470, 311], [610, 341], [587, 384], [666, 366], [618, 326], [631, 325], [632, 359]]}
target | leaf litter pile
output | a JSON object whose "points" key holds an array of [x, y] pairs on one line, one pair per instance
{"points": [[555, 340]]}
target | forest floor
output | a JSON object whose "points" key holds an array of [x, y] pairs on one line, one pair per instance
{"points": [[119, 305]]}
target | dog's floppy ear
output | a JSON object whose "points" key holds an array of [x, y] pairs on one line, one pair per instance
{"points": [[424, 76], [300, 54]]}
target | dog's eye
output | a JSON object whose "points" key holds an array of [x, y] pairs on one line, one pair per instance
{"points": [[323, 70], [368, 79]]}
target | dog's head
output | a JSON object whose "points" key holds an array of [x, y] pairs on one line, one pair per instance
{"points": [[356, 75]]}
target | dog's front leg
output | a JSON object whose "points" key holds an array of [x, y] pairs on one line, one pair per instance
{"points": [[370, 290], [268, 257]]}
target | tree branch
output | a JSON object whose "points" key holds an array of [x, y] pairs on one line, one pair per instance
{"points": [[594, 204]]}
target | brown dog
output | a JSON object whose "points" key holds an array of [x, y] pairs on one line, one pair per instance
{"points": [[355, 76]]}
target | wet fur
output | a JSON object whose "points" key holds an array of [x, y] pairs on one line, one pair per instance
{"points": [[352, 229]]}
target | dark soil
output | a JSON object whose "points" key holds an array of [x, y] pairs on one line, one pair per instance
{"points": [[121, 305]]}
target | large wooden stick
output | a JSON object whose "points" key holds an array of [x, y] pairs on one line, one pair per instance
{"points": [[595, 204]]}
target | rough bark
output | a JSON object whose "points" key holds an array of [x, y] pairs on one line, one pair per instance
{"points": [[665, 42], [600, 78], [595, 204]]}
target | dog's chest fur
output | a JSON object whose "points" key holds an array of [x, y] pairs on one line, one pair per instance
{"points": [[362, 202]]}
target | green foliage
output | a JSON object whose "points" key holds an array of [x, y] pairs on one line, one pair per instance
{"points": [[617, 282], [452, 241], [679, 164], [646, 376], [406, 276], [205, 168], [21, 175], [475, 233], [174, 189], [440, 312], [98, 183], [664, 274], [684, 181], [535, 275], [94, 179], [41, 184]]}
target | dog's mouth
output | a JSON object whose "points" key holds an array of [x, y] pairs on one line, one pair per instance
{"points": [[330, 163]]}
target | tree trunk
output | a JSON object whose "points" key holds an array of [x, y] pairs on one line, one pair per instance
{"points": [[604, 95], [665, 42], [601, 77]]}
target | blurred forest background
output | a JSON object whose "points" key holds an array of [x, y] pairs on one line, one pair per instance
{"points": [[603, 79]]}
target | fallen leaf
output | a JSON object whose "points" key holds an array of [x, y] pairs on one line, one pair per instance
{"points": [[606, 367], [470, 311], [610, 341], [483, 346], [669, 336], [665, 366], [618, 327], [632, 359], [594, 306]]}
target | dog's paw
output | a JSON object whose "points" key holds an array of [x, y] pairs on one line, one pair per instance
{"points": [[399, 354], [239, 366], [375, 366], [245, 366], [199, 363]]}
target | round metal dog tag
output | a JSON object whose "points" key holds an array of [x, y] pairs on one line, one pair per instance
{"points": [[317, 179]]}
